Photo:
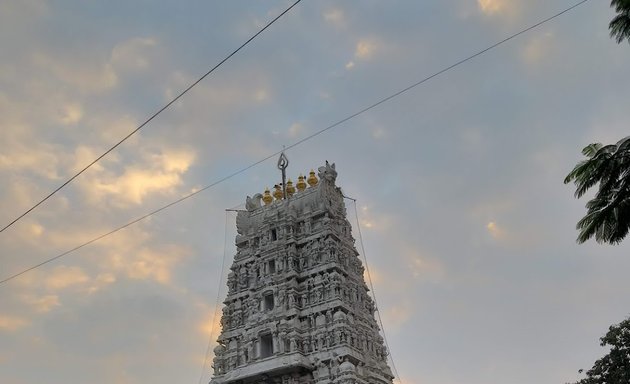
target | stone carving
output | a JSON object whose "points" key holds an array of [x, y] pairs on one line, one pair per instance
{"points": [[296, 297], [253, 203], [327, 173]]}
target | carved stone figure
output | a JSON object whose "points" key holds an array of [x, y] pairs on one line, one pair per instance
{"points": [[327, 173], [253, 203]]}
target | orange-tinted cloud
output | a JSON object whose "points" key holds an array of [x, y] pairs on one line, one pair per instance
{"points": [[63, 277], [490, 7], [10, 323], [365, 49], [158, 173], [42, 304]]}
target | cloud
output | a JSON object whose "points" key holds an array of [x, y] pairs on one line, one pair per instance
{"points": [[87, 75], [494, 230], [365, 49], [515, 235], [146, 266], [36, 229], [334, 16], [43, 163], [146, 263], [43, 89], [493, 217], [374, 222], [42, 304], [397, 315], [71, 114], [132, 54], [508, 10], [133, 253], [490, 7], [101, 281], [379, 133], [10, 323], [261, 95], [175, 161], [296, 129], [158, 173], [373, 274], [22, 11], [208, 327], [224, 95], [500, 205], [63, 277], [133, 185], [21, 154], [84, 155], [404, 379], [538, 48], [425, 268]]}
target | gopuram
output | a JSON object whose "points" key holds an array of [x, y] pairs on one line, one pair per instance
{"points": [[297, 309]]}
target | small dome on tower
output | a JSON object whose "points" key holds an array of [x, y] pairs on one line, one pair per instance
{"points": [[312, 179], [267, 198], [301, 184], [290, 188], [277, 192]]}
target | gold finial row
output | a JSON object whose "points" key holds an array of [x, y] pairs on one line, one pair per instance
{"points": [[268, 196]]}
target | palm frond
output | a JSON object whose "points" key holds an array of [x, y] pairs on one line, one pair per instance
{"points": [[608, 213], [619, 27], [591, 149], [620, 5], [623, 144]]}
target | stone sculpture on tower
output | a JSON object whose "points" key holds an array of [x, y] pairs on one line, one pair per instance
{"points": [[297, 309]]}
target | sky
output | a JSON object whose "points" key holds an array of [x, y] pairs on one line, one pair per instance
{"points": [[468, 229]]}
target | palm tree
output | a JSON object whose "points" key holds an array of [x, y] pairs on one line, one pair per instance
{"points": [[608, 213], [620, 25]]}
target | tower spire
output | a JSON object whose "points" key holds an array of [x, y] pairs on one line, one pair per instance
{"points": [[283, 163]]}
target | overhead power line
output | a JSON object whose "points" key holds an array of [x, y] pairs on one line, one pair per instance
{"points": [[206, 360], [367, 270], [381, 101], [191, 86]]}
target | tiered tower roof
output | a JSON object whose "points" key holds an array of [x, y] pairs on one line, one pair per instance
{"points": [[297, 309]]}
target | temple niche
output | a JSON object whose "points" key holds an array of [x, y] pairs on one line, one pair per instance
{"points": [[297, 309]]}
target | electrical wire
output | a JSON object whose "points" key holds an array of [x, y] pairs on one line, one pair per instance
{"points": [[204, 369], [367, 269], [382, 101], [151, 117]]}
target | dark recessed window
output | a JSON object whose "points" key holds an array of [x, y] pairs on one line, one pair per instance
{"points": [[272, 266], [274, 235], [268, 301], [266, 345]]}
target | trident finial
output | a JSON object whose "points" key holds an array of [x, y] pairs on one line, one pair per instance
{"points": [[283, 163]]}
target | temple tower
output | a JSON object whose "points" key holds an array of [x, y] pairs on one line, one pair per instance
{"points": [[297, 309]]}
